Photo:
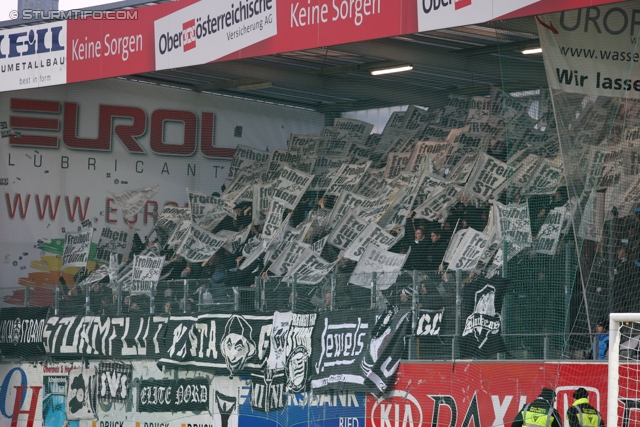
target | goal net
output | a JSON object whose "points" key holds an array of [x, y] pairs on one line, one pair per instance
{"points": [[623, 402]]}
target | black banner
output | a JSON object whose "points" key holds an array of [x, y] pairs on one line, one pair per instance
{"points": [[340, 341], [428, 323], [91, 336], [388, 346], [185, 394], [268, 391], [229, 343], [482, 305], [21, 331], [114, 380]]}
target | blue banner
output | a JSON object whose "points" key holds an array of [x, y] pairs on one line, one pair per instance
{"points": [[336, 408]]}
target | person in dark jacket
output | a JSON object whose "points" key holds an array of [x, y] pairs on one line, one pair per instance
{"points": [[417, 258], [581, 413], [540, 412]]}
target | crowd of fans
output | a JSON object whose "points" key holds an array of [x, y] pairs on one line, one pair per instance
{"points": [[211, 283]]}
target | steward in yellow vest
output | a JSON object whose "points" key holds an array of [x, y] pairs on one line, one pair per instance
{"points": [[581, 413], [540, 412]]}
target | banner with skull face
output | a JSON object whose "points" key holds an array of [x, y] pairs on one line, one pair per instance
{"points": [[227, 343]]}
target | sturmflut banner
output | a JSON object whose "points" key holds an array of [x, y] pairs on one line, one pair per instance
{"points": [[592, 51]]}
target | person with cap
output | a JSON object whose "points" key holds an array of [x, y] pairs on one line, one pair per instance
{"points": [[601, 345], [540, 412], [581, 413]]}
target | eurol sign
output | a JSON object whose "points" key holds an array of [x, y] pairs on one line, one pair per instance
{"points": [[191, 32]]}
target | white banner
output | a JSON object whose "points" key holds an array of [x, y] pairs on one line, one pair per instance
{"points": [[373, 234], [278, 160], [234, 240], [76, 249], [592, 51], [168, 220], [487, 176], [179, 233], [469, 250], [347, 178], [146, 273], [290, 186], [131, 202], [289, 258], [547, 240], [277, 359], [274, 218], [324, 171], [544, 179], [311, 268], [439, 202], [116, 241], [246, 158], [199, 245], [516, 224], [208, 211], [81, 394], [387, 265], [346, 230], [289, 235], [304, 144]]}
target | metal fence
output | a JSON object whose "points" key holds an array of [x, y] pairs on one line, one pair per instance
{"points": [[419, 291]]}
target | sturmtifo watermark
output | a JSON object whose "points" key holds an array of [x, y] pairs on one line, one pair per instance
{"points": [[104, 15]]}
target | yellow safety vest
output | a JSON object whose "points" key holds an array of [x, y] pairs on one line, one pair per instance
{"points": [[587, 417], [537, 417]]}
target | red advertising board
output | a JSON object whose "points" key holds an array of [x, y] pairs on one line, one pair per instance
{"points": [[481, 394], [98, 49], [107, 48]]}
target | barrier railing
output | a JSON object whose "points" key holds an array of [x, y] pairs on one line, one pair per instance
{"points": [[418, 291]]}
